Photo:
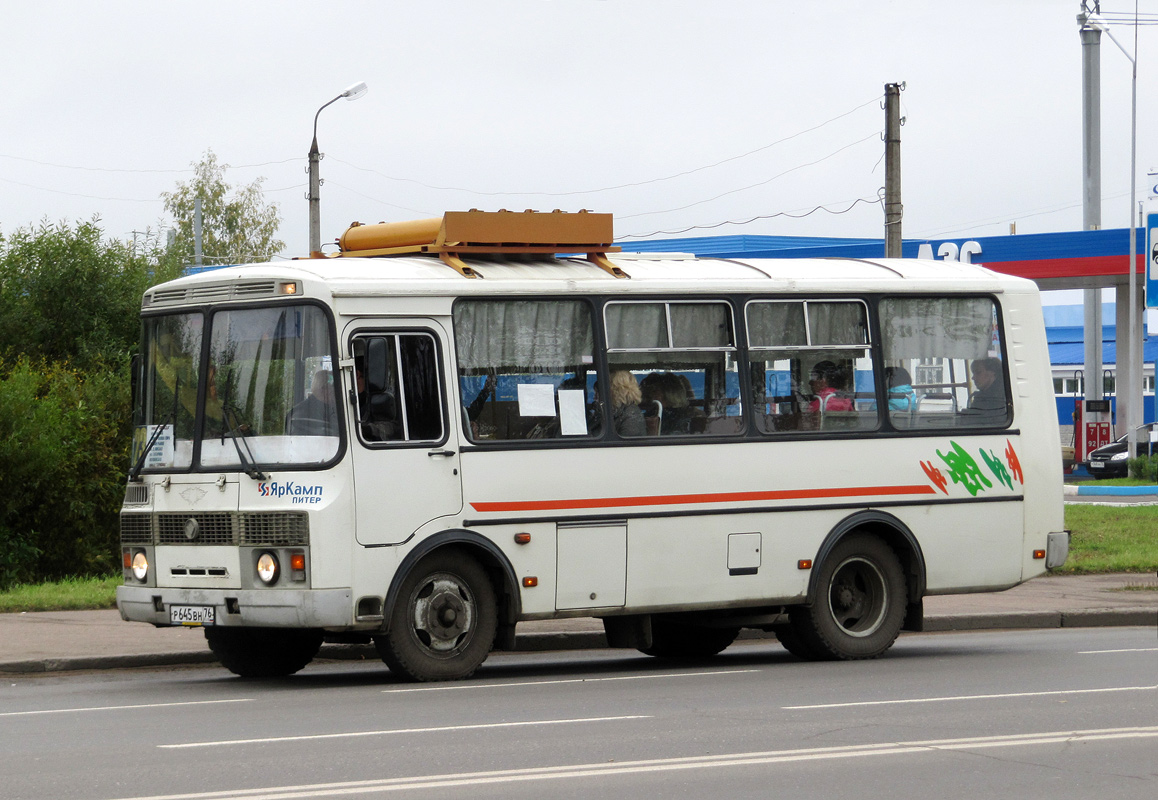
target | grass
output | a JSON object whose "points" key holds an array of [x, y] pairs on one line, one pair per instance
{"points": [[1105, 539], [1111, 539], [1119, 482], [70, 594]]}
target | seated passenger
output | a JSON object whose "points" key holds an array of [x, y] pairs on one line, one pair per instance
{"points": [[826, 381], [626, 415], [901, 394], [989, 399]]}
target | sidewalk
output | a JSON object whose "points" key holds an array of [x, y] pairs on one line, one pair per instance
{"points": [[72, 640]]}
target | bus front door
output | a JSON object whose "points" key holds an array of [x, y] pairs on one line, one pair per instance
{"points": [[405, 451]]}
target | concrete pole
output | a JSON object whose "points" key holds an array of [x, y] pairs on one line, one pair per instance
{"points": [[893, 207], [1092, 196], [315, 197], [197, 259]]}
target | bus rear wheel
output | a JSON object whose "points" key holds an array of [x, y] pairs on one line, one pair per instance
{"points": [[859, 605], [263, 652], [678, 640], [443, 623]]}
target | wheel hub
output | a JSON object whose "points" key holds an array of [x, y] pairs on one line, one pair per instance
{"points": [[443, 614]]}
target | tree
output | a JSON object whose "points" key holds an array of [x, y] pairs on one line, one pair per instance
{"points": [[67, 294], [234, 229]]}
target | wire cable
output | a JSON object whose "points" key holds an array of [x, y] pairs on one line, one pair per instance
{"points": [[631, 185], [789, 214], [834, 153]]}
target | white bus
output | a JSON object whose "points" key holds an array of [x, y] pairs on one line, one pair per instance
{"points": [[448, 428]]}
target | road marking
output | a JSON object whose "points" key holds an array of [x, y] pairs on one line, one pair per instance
{"points": [[970, 697], [1123, 650], [603, 769], [395, 731], [461, 686], [122, 708]]}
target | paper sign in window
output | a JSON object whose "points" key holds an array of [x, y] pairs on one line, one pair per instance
{"points": [[536, 400], [572, 412]]}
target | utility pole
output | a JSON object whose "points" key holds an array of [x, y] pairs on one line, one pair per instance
{"points": [[1092, 188], [893, 207]]}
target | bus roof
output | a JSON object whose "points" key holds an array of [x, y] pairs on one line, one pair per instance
{"points": [[644, 273]]}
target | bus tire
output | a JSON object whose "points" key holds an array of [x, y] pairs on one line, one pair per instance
{"points": [[444, 621], [794, 643], [677, 640], [859, 605], [263, 652]]}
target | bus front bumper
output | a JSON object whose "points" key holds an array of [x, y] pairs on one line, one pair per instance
{"points": [[281, 608]]}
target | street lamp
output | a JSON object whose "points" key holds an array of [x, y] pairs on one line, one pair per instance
{"points": [[1133, 393], [353, 93]]}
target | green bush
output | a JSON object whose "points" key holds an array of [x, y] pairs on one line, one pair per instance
{"points": [[1144, 468], [63, 449]]}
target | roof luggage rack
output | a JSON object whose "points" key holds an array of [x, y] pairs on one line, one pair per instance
{"points": [[458, 233]]}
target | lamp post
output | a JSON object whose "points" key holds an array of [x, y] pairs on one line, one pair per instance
{"points": [[352, 93], [1133, 393]]}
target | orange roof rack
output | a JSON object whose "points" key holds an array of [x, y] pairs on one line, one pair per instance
{"points": [[458, 233]]}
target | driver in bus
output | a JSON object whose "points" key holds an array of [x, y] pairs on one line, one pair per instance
{"points": [[316, 415]]}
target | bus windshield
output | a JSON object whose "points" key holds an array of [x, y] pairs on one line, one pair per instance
{"points": [[249, 385]]}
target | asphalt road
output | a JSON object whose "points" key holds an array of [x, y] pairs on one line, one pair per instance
{"points": [[1061, 713]]}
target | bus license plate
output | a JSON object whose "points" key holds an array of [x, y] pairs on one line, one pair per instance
{"points": [[191, 615]]}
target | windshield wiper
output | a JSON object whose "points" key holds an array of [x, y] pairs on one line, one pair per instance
{"points": [[135, 472], [248, 463]]}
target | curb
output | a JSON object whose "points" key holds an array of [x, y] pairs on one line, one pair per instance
{"points": [[595, 640], [1085, 490]]}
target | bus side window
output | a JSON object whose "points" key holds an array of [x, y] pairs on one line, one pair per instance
{"points": [[950, 349], [811, 365], [399, 397], [526, 369]]}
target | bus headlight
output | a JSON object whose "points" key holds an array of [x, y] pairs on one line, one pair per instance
{"points": [[140, 566], [268, 569]]}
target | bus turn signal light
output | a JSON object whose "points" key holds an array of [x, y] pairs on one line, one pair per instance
{"points": [[804, 563], [1039, 554], [530, 581], [522, 538]]}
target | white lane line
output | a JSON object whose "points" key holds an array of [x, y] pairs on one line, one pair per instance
{"points": [[970, 697], [1124, 650], [462, 686], [602, 769], [395, 731], [122, 708]]}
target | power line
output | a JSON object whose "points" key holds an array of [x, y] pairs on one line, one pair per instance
{"points": [[140, 171], [790, 215], [618, 186], [834, 153]]}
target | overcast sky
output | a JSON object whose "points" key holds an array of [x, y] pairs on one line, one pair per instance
{"points": [[669, 114]]}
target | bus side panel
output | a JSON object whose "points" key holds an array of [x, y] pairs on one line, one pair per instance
{"points": [[1033, 401]]}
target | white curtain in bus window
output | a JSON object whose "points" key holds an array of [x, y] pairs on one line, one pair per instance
{"points": [[811, 366], [526, 369], [943, 362], [674, 364]]}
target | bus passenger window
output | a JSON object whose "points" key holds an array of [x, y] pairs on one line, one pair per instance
{"points": [[811, 366], [526, 369], [682, 355], [950, 350], [399, 397]]}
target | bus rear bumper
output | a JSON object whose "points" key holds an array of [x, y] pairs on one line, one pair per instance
{"points": [[280, 608]]}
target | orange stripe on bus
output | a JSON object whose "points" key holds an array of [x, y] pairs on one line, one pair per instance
{"points": [[692, 499]]}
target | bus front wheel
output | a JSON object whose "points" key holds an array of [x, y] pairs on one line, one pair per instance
{"points": [[263, 652], [859, 606], [443, 623], [678, 640]]}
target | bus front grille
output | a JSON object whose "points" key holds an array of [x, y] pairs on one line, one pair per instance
{"points": [[284, 528]]}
